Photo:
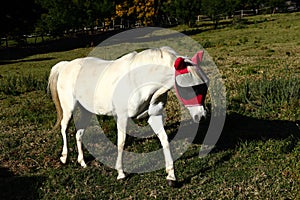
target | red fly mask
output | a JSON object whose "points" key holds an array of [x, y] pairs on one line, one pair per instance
{"points": [[191, 83]]}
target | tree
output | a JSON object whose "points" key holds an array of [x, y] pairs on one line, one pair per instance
{"points": [[158, 11], [214, 9], [58, 15], [122, 8], [232, 6], [18, 18], [251, 4], [185, 10], [63, 15], [297, 2], [145, 11], [137, 10], [274, 4]]}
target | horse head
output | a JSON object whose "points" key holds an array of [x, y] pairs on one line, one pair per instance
{"points": [[191, 86]]}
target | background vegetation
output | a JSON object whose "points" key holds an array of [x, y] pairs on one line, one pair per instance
{"points": [[257, 156], [42, 18]]}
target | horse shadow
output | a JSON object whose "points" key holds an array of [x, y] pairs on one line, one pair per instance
{"points": [[18, 187], [239, 129]]}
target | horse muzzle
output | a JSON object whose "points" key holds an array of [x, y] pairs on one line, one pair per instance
{"points": [[198, 113]]}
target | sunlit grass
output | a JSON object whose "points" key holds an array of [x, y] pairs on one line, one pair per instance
{"points": [[257, 156]]}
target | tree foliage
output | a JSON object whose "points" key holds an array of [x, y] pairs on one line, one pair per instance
{"points": [[214, 9], [17, 17], [62, 15], [275, 4], [59, 16], [185, 10], [142, 10]]}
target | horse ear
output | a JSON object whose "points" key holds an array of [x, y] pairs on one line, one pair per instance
{"points": [[199, 55], [179, 63]]}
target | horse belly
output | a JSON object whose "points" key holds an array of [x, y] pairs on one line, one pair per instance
{"points": [[87, 90]]}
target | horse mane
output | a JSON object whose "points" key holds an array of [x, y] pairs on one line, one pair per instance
{"points": [[128, 56], [160, 55], [161, 52]]}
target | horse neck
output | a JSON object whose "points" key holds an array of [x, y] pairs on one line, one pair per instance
{"points": [[162, 58]]}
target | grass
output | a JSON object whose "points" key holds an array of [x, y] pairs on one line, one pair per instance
{"points": [[257, 156], [275, 96]]}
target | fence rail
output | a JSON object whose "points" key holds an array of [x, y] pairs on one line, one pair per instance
{"points": [[125, 24]]}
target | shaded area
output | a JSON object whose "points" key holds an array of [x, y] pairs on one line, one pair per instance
{"points": [[18, 187], [82, 41], [63, 44], [237, 23], [5, 62], [239, 128]]}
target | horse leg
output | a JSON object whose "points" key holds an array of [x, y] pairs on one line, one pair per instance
{"points": [[64, 125], [67, 106], [121, 126], [80, 158], [81, 125], [156, 123]]}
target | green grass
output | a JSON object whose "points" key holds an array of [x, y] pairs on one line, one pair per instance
{"points": [[257, 156]]}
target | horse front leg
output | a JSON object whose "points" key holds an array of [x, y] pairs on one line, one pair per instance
{"points": [[121, 126], [156, 123]]}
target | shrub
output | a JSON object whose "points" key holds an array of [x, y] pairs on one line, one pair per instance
{"points": [[275, 96], [18, 84]]}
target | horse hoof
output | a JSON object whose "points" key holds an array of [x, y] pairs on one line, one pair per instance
{"points": [[171, 183], [82, 163], [121, 176], [63, 160]]}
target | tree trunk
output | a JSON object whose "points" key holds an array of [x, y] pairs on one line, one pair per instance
{"points": [[6, 42]]}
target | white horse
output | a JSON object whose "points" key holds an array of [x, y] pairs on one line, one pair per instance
{"points": [[92, 83]]}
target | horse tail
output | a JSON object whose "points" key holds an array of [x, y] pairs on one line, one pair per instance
{"points": [[52, 87]]}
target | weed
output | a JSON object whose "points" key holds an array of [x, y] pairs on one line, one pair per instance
{"points": [[19, 84], [239, 23], [274, 96], [243, 40], [207, 44]]}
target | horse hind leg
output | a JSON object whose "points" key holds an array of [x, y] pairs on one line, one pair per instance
{"points": [[64, 124], [67, 106], [81, 125], [80, 158]]}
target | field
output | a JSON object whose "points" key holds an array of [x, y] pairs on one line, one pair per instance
{"points": [[257, 156]]}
